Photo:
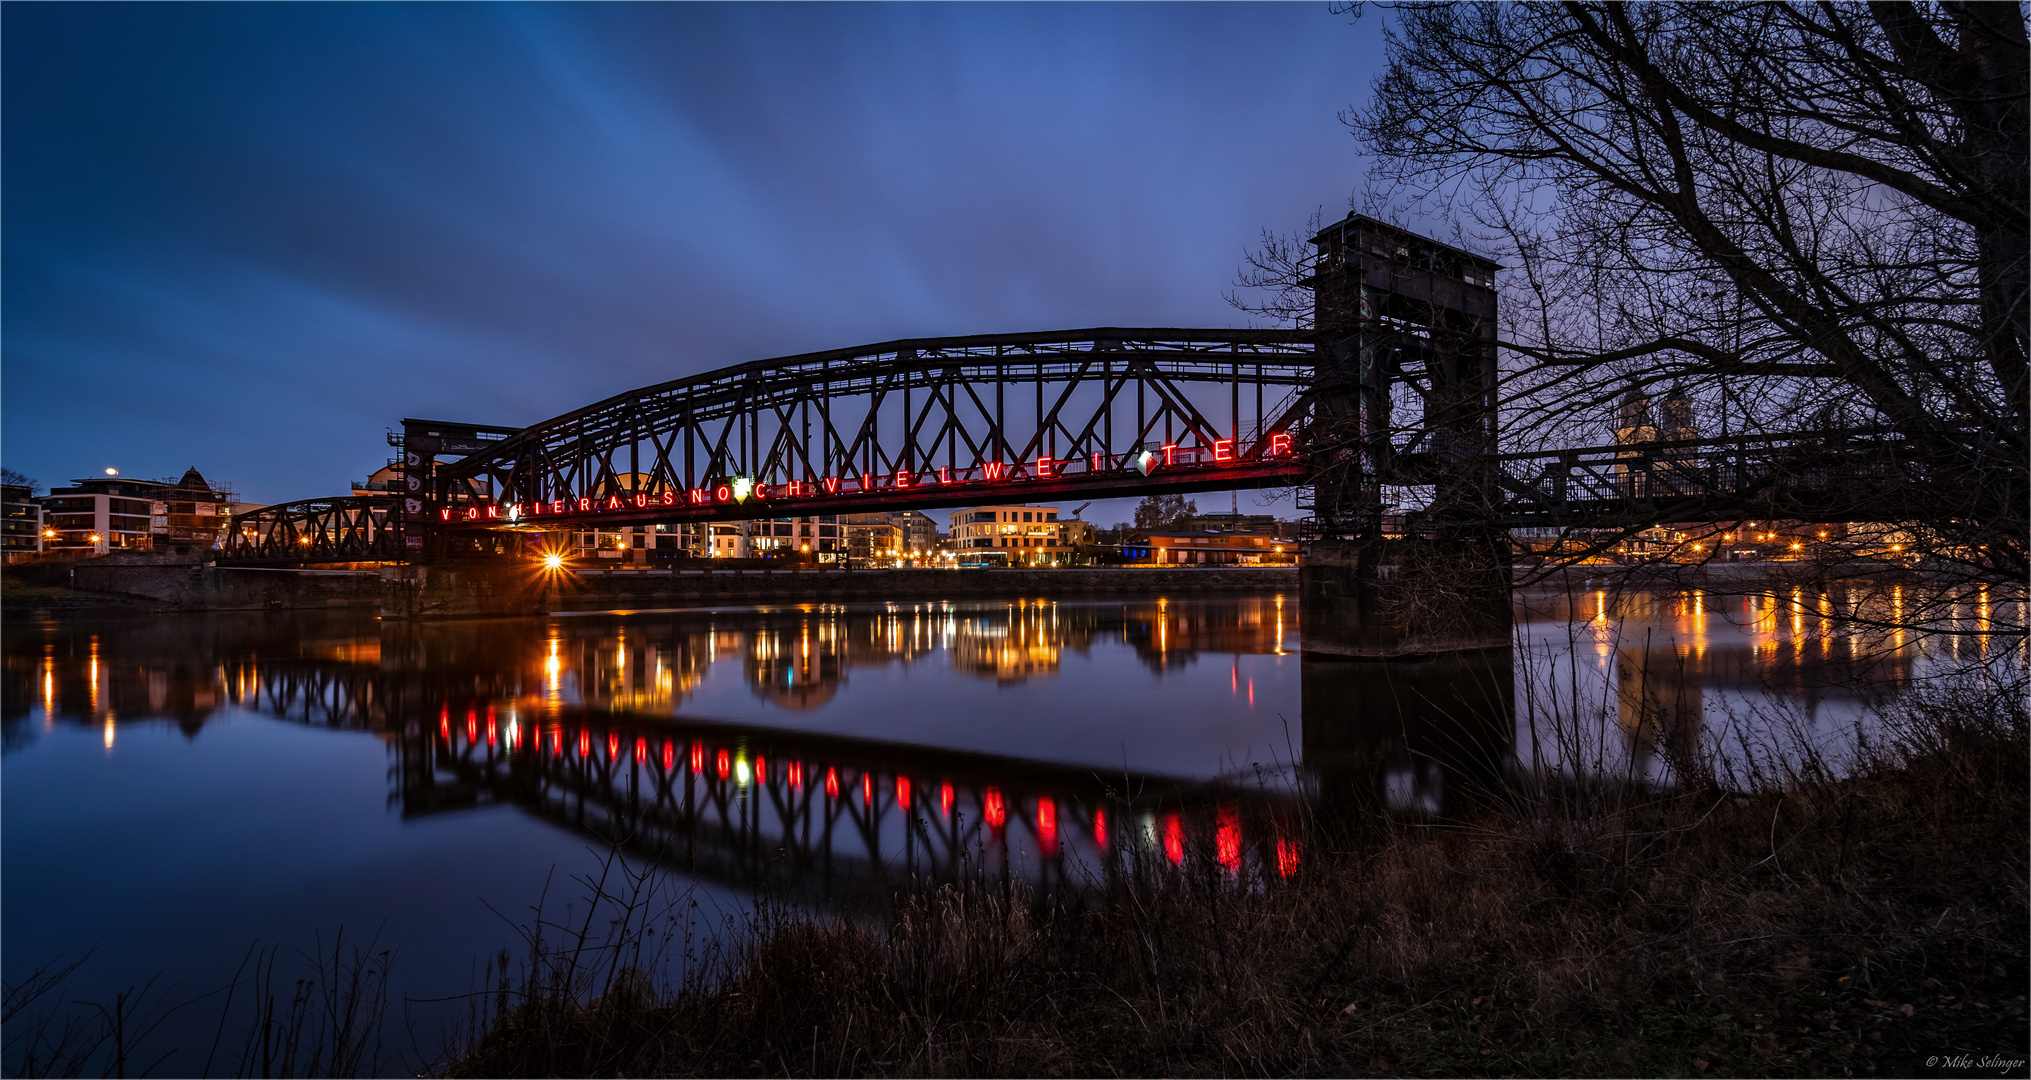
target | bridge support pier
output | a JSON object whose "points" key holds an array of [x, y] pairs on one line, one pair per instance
{"points": [[1387, 599]]}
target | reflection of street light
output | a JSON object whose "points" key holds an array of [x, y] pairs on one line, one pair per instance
{"points": [[94, 538], [553, 561], [49, 534]]}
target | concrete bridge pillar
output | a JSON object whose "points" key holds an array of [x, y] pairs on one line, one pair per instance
{"points": [[1386, 599]]}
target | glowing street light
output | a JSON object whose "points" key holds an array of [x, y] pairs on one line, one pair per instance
{"points": [[553, 561]]}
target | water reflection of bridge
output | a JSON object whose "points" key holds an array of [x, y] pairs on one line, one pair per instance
{"points": [[584, 720], [813, 815]]}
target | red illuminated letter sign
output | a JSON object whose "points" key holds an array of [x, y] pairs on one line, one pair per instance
{"points": [[669, 497], [1043, 467], [557, 506], [993, 470], [944, 475], [584, 504], [1279, 444], [1223, 449], [722, 493], [493, 511], [832, 485], [902, 478], [698, 495], [1169, 449]]}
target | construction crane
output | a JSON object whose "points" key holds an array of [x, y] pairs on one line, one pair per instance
{"points": [[1081, 510]]}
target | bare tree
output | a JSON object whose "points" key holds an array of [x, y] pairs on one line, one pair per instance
{"points": [[1163, 511], [1796, 216]]}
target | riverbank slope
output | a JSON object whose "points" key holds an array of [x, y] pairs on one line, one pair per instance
{"points": [[1873, 924]]}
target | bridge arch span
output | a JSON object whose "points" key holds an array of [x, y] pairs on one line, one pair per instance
{"points": [[917, 422]]}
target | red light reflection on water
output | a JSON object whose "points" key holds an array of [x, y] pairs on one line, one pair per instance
{"points": [[641, 749], [1227, 838], [867, 789], [1047, 825], [903, 792], [1174, 838], [997, 811], [669, 756], [724, 763], [832, 783], [761, 769], [556, 740], [945, 799], [613, 745], [796, 771], [584, 742], [1286, 857], [1100, 828], [698, 757]]}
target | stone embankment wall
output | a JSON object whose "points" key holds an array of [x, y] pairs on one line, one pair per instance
{"points": [[515, 589], [192, 586]]}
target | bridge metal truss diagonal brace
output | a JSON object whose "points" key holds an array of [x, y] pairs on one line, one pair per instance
{"points": [[1090, 399]]}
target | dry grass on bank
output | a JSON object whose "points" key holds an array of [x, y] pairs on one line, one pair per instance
{"points": [[1826, 927]]}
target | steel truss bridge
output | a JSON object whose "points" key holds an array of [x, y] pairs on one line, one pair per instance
{"points": [[1397, 386], [1819, 476], [920, 423]]}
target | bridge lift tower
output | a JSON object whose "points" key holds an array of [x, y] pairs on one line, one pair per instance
{"points": [[1404, 399]]}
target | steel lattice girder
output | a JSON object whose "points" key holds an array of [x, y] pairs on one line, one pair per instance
{"points": [[343, 529], [916, 405]]}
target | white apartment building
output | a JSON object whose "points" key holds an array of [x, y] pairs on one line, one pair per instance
{"points": [[1019, 535]]}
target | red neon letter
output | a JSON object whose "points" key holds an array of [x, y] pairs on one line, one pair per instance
{"points": [[1279, 444], [557, 506], [761, 492], [867, 481], [902, 478], [993, 470], [722, 493], [1169, 449], [1223, 449], [613, 502], [698, 495], [584, 505], [1043, 467], [445, 513], [832, 485], [944, 475], [669, 497]]}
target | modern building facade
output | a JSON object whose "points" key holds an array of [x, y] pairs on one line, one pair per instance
{"points": [[108, 513], [20, 522], [1017, 535]]}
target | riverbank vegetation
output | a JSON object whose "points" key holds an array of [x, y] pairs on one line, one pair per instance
{"points": [[1857, 917]]}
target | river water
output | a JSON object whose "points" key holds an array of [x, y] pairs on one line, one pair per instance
{"points": [[180, 790]]}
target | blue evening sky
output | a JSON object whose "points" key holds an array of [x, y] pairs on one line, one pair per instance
{"points": [[251, 237]]}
